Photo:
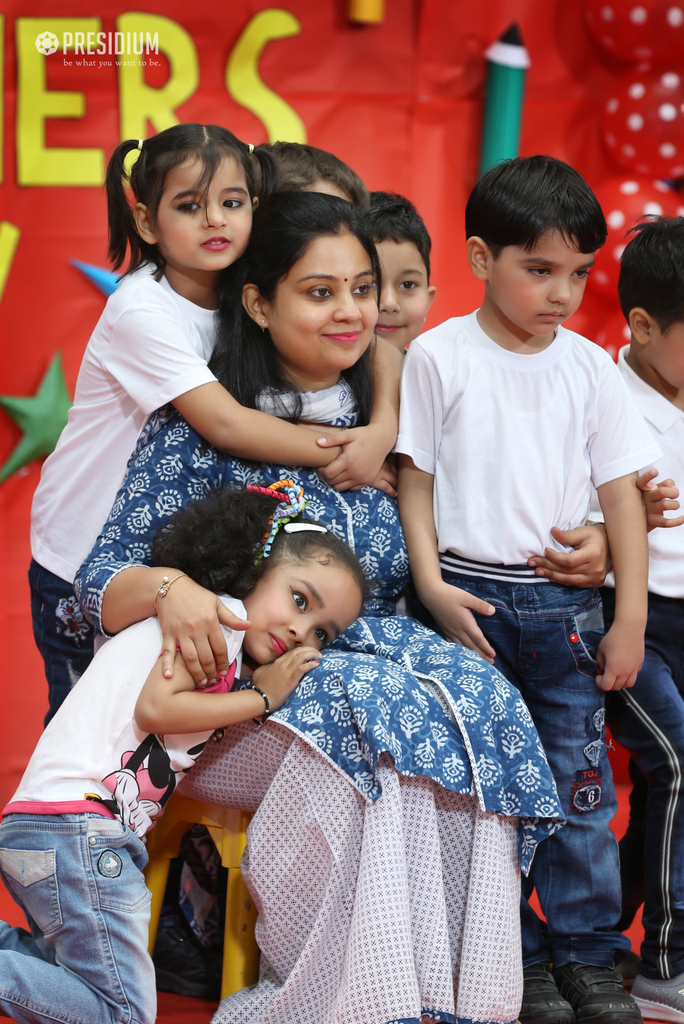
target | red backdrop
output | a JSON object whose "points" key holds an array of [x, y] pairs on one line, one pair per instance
{"points": [[400, 101]]}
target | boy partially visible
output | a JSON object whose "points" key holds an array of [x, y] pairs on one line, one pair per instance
{"points": [[506, 420], [303, 168], [649, 719], [403, 245]]}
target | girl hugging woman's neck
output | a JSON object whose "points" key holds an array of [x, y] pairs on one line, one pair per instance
{"points": [[297, 318]]}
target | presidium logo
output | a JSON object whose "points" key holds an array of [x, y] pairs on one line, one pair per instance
{"points": [[92, 43], [47, 43]]}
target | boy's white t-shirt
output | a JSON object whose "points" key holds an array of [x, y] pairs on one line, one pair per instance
{"points": [[665, 546], [149, 346], [515, 441], [93, 747]]}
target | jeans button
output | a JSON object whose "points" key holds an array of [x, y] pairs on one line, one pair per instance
{"points": [[92, 840], [574, 639]]}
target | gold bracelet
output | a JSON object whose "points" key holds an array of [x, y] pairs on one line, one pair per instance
{"points": [[165, 586]]}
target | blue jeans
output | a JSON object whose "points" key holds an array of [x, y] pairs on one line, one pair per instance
{"points": [[649, 721], [62, 634], [78, 878], [545, 637]]}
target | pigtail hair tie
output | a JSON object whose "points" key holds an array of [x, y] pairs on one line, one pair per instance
{"points": [[291, 503]]}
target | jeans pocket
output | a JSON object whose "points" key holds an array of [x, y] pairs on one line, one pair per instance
{"points": [[584, 632], [119, 881], [31, 876]]}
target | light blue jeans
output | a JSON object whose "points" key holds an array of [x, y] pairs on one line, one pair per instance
{"points": [[78, 878]]}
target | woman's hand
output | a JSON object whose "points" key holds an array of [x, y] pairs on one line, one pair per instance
{"points": [[364, 450], [658, 498], [453, 609], [190, 618], [586, 566], [282, 676]]}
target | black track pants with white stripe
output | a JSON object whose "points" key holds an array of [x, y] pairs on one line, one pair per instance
{"points": [[649, 721]]}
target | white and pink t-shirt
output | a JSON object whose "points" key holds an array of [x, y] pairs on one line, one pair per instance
{"points": [[93, 757]]}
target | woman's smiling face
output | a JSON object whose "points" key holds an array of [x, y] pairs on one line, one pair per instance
{"points": [[323, 314]]}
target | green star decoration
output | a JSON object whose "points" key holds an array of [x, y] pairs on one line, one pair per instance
{"points": [[42, 418]]}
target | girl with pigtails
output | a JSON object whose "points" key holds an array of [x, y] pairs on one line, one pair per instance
{"points": [[183, 214], [400, 788], [71, 840]]}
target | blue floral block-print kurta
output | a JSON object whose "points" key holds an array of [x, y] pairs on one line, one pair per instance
{"points": [[386, 684]]}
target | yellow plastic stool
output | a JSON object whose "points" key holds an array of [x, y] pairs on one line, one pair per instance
{"points": [[228, 829]]}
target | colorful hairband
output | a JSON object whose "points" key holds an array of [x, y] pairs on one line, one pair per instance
{"points": [[250, 147], [291, 503], [140, 144]]}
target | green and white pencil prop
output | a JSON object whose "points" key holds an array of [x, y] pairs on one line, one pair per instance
{"points": [[508, 63]]}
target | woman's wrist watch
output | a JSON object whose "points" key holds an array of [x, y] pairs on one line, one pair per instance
{"points": [[260, 719]]}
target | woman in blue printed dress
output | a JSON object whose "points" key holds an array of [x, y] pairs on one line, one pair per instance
{"points": [[402, 785]]}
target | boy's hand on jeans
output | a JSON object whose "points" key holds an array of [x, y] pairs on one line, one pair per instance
{"points": [[283, 675], [659, 498], [620, 655], [453, 610]]}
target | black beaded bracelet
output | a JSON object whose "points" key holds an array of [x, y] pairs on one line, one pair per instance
{"points": [[260, 720]]}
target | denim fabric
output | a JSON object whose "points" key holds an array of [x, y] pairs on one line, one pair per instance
{"points": [[78, 878], [545, 637], [649, 721], [63, 635]]}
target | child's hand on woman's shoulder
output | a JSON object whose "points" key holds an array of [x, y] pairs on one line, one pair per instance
{"points": [[453, 609], [363, 460]]}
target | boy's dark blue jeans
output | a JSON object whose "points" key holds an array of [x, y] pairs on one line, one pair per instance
{"points": [[648, 719], [545, 636], [63, 635]]}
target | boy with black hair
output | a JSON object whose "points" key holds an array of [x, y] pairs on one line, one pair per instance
{"points": [[303, 168], [403, 245], [649, 720], [506, 420]]}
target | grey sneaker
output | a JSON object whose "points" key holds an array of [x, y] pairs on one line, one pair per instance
{"points": [[660, 1000]]}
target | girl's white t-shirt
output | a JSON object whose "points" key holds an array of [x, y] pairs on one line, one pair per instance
{"points": [[515, 441], [149, 346], [92, 755]]}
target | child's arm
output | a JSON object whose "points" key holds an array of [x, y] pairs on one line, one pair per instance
{"points": [[175, 706], [451, 607], [248, 433], [365, 449], [659, 498], [621, 652]]}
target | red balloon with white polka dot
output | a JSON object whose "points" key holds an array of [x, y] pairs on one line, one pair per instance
{"points": [[643, 121], [625, 200], [613, 334], [637, 30]]}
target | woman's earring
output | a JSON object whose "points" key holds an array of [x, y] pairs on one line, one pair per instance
{"points": [[263, 328]]}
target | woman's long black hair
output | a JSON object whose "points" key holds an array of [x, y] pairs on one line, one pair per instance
{"points": [[214, 540], [285, 224]]}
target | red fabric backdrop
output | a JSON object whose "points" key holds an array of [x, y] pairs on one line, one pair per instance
{"points": [[400, 101]]}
